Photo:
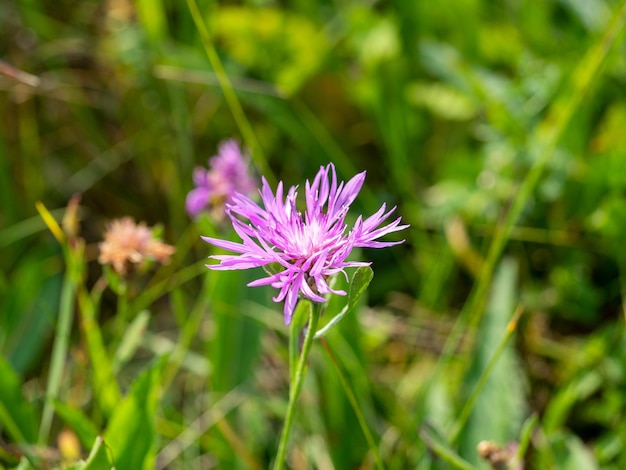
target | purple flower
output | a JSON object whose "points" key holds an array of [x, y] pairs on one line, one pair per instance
{"points": [[227, 174], [310, 247]]}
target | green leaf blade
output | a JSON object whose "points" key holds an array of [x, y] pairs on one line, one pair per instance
{"points": [[131, 431], [99, 457], [16, 413], [358, 284], [77, 421]]}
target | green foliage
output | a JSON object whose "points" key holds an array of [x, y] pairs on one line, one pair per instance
{"points": [[272, 43], [16, 414], [497, 128], [85, 430], [358, 284], [131, 431], [504, 388], [99, 457]]}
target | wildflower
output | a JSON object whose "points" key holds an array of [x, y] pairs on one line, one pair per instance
{"points": [[228, 174], [126, 244], [309, 247]]}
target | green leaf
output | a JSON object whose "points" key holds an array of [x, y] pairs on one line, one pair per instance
{"points": [[116, 282], [442, 100], [131, 430], [567, 396], [359, 282], [526, 435], [131, 340], [233, 330], [16, 414], [439, 446], [234, 348], [273, 268], [28, 315], [285, 36], [499, 409], [99, 457], [571, 454], [78, 422], [105, 386], [152, 17]]}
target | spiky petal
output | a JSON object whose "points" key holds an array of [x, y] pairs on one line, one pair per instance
{"points": [[310, 246]]}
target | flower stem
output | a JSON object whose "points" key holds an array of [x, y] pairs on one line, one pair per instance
{"points": [[296, 385], [121, 319]]}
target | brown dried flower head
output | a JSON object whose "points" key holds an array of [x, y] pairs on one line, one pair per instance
{"points": [[128, 244]]}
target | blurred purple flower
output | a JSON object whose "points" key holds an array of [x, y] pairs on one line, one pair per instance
{"points": [[227, 174], [309, 248]]}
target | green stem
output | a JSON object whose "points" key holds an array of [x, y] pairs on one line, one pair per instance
{"points": [[165, 286], [296, 385], [227, 89], [121, 316], [482, 381], [106, 387], [188, 332], [61, 342], [544, 143], [443, 451]]}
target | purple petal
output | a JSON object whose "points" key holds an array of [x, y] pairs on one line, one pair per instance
{"points": [[310, 247], [290, 304], [197, 200]]}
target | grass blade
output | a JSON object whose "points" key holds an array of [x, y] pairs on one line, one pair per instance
{"points": [[16, 414], [355, 406], [131, 431]]}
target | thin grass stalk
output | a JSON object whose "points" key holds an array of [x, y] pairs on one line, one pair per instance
{"points": [[15, 433], [181, 437], [59, 352], [61, 342], [484, 376], [525, 436], [229, 92], [355, 406], [121, 316], [547, 137], [238, 446], [190, 330], [296, 385], [164, 286], [73, 259], [25, 228], [444, 453]]}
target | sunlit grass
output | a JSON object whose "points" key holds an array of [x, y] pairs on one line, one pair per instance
{"points": [[497, 130]]}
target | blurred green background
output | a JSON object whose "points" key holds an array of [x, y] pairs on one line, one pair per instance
{"points": [[497, 128]]}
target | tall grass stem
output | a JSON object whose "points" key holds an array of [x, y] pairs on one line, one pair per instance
{"points": [[544, 143], [229, 92], [61, 345], [482, 380], [73, 259]]}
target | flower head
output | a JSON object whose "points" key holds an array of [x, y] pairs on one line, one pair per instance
{"points": [[227, 174], [126, 244], [310, 246]]}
